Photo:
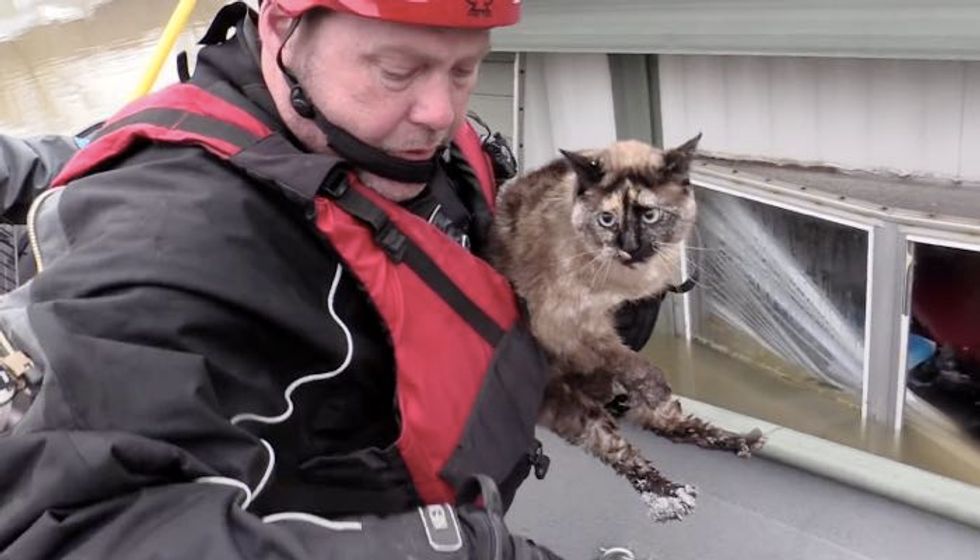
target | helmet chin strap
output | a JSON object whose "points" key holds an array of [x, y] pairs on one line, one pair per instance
{"points": [[362, 155]]}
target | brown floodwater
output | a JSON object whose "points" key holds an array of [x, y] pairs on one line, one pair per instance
{"points": [[706, 374], [65, 64]]}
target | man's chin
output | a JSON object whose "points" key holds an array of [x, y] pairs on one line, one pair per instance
{"points": [[392, 190], [416, 155]]}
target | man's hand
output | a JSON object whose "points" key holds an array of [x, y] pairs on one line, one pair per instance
{"points": [[484, 526], [439, 532]]}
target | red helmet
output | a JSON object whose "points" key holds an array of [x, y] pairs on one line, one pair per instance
{"points": [[480, 14]]}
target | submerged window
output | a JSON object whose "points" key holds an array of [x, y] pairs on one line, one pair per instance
{"points": [[944, 348], [782, 289]]}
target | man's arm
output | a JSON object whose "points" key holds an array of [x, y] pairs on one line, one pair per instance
{"points": [[159, 518], [27, 166]]}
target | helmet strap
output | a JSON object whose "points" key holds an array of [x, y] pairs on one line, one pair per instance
{"points": [[362, 155]]}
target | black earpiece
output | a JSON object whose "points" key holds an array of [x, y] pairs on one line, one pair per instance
{"points": [[301, 103], [297, 97]]}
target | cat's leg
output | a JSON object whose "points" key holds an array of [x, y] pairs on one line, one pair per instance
{"points": [[651, 406], [582, 421], [669, 420], [610, 369]]}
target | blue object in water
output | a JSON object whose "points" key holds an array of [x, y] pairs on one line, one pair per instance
{"points": [[920, 349]]}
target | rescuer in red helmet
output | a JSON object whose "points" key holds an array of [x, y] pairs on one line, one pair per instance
{"points": [[262, 326]]}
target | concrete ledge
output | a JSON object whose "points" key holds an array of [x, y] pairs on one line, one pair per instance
{"points": [[928, 491]]}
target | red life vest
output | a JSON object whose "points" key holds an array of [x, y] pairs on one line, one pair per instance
{"points": [[468, 378]]}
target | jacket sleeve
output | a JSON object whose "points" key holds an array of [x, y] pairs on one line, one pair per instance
{"points": [[27, 166], [127, 451]]}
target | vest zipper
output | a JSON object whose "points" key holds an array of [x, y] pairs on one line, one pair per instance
{"points": [[32, 226]]}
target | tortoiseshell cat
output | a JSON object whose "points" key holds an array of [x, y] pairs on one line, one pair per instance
{"points": [[578, 238]]}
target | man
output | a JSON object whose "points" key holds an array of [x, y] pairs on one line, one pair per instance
{"points": [[261, 331]]}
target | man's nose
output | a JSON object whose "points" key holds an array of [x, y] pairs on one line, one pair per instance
{"points": [[434, 107]]}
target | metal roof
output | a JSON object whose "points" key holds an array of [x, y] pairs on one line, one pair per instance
{"points": [[920, 29]]}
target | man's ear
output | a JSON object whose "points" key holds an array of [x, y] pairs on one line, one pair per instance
{"points": [[273, 24]]}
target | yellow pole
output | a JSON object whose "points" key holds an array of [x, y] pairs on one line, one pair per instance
{"points": [[170, 33]]}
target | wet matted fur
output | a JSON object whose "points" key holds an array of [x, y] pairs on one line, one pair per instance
{"points": [[578, 238]]}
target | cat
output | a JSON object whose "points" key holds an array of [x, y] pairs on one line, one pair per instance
{"points": [[578, 238]]}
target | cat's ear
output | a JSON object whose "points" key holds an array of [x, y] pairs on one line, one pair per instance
{"points": [[588, 168], [677, 162]]}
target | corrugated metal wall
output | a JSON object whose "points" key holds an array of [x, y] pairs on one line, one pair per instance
{"points": [[493, 99], [919, 117], [568, 104], [929, 29]]}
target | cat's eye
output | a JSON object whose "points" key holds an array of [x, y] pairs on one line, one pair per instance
{"points": [[606, 219], [652, 215]]}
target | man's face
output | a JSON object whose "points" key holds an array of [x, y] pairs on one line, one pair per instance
{"points": [[400, 88]]}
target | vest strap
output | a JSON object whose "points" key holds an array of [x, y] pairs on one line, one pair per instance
{"points": [[400, 248], [177, 119]]}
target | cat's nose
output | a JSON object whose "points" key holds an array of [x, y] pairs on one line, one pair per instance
{"points": [[629, 243]]}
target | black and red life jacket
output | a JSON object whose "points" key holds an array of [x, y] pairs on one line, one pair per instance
{"points": [[469, 379]]}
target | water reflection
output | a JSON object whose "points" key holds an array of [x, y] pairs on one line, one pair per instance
{"points": [[703, 373], [68, 63]]}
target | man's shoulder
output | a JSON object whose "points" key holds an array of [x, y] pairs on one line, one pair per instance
{"points": [[179, 197], [181, 217], [161, 177]]}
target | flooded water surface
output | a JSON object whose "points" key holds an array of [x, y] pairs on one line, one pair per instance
{"points": [[69, 63]]}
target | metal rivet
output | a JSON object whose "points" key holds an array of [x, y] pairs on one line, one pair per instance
{"points": [[616, 553]]}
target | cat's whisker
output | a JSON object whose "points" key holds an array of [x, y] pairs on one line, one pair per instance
{"points": [[586, 253], [595, 273], [704, 249], [608, 270], [599, 277], [588, 266]]}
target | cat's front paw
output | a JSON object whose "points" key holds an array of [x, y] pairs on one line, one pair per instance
{"points": [[674, 504], [750, 443]]}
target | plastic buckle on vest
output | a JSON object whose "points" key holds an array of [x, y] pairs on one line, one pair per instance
{"points": [[334, 186], [393, 241], [539, 461]]}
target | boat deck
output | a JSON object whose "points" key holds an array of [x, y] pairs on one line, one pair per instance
{"points": [[753, 509]]}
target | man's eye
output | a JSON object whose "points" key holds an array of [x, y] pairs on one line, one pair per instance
{"points": [[397, 76], [463, 73]]}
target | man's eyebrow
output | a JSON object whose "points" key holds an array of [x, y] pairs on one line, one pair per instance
{"points": [[408, 52]]}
